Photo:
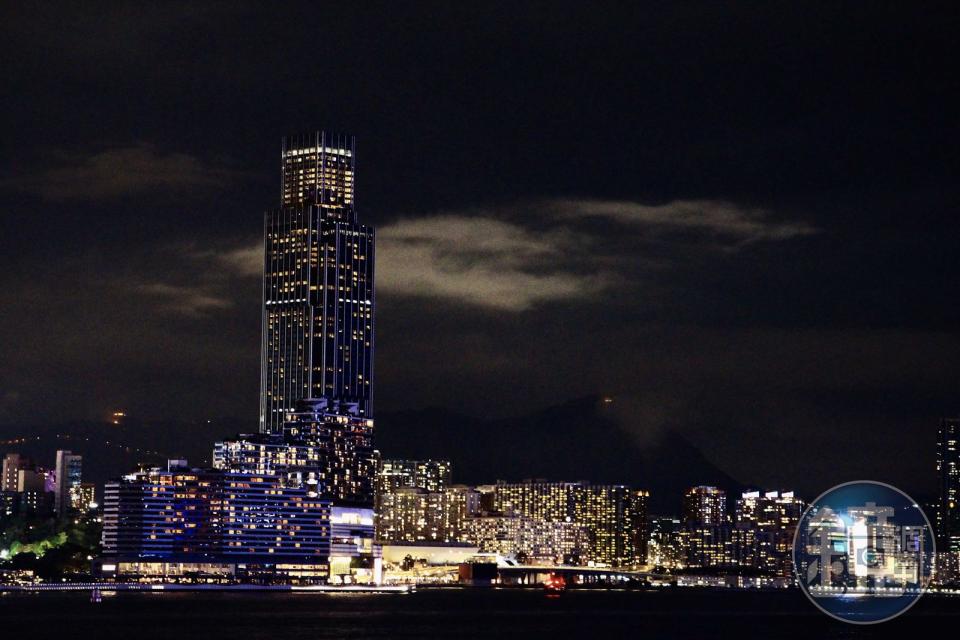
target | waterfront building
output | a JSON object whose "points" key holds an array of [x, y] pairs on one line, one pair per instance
{"points": [[412, 514], [257, 525], [459, 504], [354, 554], [664, 545], [430, 475], [728, 547], [318, 284], [403, 515], [529, 540], [614, 516]]}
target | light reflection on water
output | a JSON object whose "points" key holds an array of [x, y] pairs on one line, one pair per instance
{"points": [[455, 613]]}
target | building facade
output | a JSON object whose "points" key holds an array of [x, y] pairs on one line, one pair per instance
{"points": [[529, 541], [614, 516], [318, 284], [430, 475], [215, 522], [321, 445], [12, 464], [705, 506], [759, 539], [69, 481], [414, 515], [948, 502]]}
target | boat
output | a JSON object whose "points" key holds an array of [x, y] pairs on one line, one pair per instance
{"points": [[555, 584]]}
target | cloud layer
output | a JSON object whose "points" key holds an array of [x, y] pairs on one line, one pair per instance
{"points": [[488, 258], [481, 261], [118, 172]]}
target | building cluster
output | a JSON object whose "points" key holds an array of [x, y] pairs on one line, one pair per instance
{"points": [[578, 523], [293, 502], [27, 488], [308, 499], [532, 522], [758, 538]]}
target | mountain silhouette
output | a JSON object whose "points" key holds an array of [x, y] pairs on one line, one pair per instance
{"points": [[578, 440]]}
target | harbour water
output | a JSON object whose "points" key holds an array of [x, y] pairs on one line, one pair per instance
{"points": [[451, 613]]}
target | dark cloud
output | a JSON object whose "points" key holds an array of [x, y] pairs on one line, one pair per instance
{"points": [[113, 173]]}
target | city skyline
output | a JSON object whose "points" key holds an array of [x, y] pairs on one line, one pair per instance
{"points": [[735, 221], [497, 319]]}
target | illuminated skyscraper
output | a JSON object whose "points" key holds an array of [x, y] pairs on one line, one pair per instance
{"points": [[773, 516], [318, 284], [948, 474], [69, 466], [705, 506]]}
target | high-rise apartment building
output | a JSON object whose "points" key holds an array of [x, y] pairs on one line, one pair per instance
{"points": [[413, 514], [613, 516], [664, 548], [704, 506], [350, 467], [318, 284], [319, 446], [948, 476], [529, 541], [12, 464], [429, 475], [774, 517], [948, 500], [69, 481]]}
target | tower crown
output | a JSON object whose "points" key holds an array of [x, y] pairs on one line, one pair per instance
{"points": [[318, 169]]}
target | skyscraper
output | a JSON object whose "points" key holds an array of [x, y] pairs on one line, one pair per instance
{"points": [[69, 466], [948, 475], [705, 505], [318, 284]]}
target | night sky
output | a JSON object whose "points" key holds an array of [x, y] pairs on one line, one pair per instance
{"points": [[735, 219]]}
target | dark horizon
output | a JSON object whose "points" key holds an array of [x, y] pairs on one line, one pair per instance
{"points": [[734, 219]]}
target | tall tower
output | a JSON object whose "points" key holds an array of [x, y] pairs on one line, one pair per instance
{"points": [[69, 469], [948, 475], [318, 284]]}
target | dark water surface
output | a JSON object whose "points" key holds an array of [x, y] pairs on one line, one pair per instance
{"points": [[467, 613]]}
